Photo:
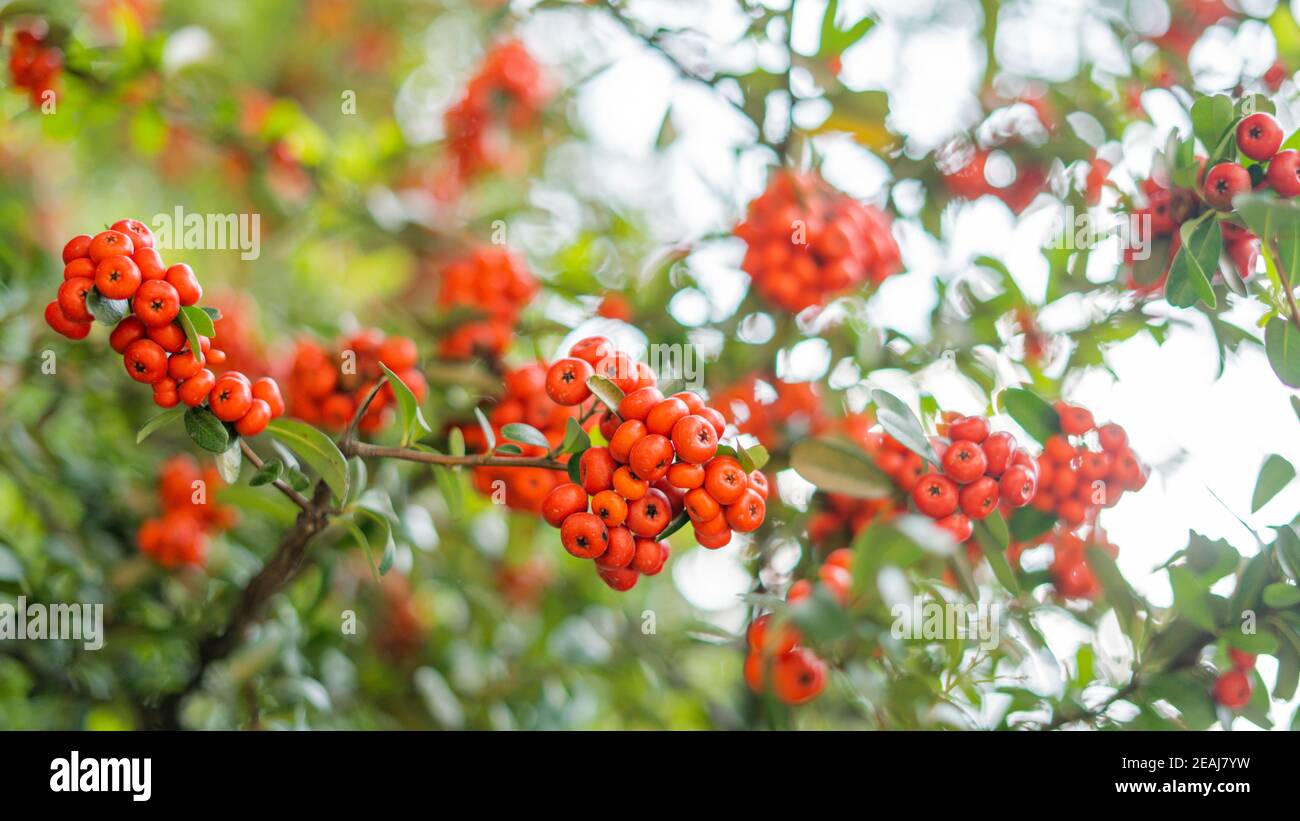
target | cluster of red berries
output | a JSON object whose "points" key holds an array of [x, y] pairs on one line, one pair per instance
{"points": [[662, 458], [1233, 688], [1167, 209], [190, 514], [495, 281], [1072, 574], [122, 264], [771, 410], [1075, 480], [981, 471], [34, 64], [505, 96], [963, 174], [795, 673], [808, 243], [525, 402], [328, 387]]}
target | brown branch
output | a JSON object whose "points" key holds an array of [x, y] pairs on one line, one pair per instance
{"points": [[278, 571], [351, 447]]}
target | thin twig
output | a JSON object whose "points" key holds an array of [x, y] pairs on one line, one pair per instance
{"points": [[279, 484], [351, 432], [364, 449]]}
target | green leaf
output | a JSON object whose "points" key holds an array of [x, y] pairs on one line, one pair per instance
{"points": [[1118, 593], [576, 439], [1266, 216], [270, 470], [1287, 546], [1039, 419], [200, 319], [450, 488], [1028, 523], [1197, 261], [509, 449], [191, 332], [606, 391], [107, 311], [229, 462], [1250, 585], [1276, 474], [161, 420], [758, 456], [1191, 598], [527, 434], [206, 430], [359, 535], [1280, 595], [316, 449], [1282, 346], [456, 442], [1211, 117], [408, 407], [992, 535], [899, 422], [488, 434], [838, 466]]}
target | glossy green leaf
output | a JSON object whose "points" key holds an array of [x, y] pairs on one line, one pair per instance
{"points": [[316, 449]]}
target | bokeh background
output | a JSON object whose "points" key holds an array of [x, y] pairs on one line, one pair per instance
{"points": [[660, 122]]}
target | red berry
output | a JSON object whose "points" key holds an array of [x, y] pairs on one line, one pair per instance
{"points": [[72, 299], [145, 361], [979, 498], [156, 302], [1284, 173], [1259, 136], [1225, 181], [230, 398], [584, 535], [117, 277], [999, 448], [562, 502], [182, 278], [1232, 689], [935, 495], [1018, 486], [77, 248], [1112, 437], [969, 429], [649, 515], [127, 331], [566, 381], [1241, 659], [255, 420], [958, 526], [798, 676], [964, 462], [694, 439]]}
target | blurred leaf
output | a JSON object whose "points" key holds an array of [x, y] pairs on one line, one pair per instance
{"points": [[992, 536], [1282, 345], [1039, 419], [450, 488], [228, 463], [488, 433], [1118, 593], [899, 422], [838, 466], [1276, 474], [1281, 595], [1028, 523], [1191, 598]]}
